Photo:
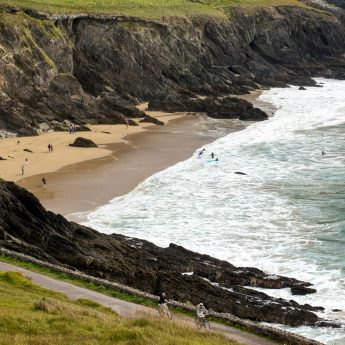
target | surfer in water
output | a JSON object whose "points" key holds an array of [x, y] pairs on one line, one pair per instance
{"points": [[323, 152], [201, 152]]}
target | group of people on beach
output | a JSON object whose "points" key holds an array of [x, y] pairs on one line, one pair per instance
{"points": [[72, 128]]}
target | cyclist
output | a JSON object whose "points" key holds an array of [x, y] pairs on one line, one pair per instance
{"points": [[162, 299], [163, 308], [201, 311]]}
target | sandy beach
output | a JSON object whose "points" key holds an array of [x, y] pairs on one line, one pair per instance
{"points": [[81, 179]]}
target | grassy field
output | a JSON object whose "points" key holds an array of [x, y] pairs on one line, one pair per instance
{"points": [[32, 315], [145, 8]]}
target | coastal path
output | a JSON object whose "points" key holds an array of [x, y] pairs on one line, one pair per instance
{"points": [[127, 309]]}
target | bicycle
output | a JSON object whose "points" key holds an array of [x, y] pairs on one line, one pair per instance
{"points": [[201, 322], [164, 310]]}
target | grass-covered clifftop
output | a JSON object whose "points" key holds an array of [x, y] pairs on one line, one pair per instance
{"points": [[146, 8], [32, 315]]}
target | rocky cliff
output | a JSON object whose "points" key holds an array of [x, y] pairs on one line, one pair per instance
{"points": [[87, 68], [26, 227]]}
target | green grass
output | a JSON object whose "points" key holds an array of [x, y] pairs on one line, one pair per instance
{"points": [[146, 8], [32, 315], [88, 285], [108, 291]]}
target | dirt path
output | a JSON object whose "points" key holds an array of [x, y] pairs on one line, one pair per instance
{"points": [[127, 309]]}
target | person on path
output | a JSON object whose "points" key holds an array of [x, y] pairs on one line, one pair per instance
{"points": [[162, 299], [201, 311]]}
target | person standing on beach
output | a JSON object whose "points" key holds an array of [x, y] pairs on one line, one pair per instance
{"points": [[23, 167], [44, 181]]}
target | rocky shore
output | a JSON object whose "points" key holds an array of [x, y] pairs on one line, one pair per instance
{"points": [[26, 227], [95, 69]]}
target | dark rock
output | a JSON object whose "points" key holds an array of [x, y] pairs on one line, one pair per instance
{"points": [[153, 120], [34, 231], [2, 159], [27, 150], [83, 128], [85, 78], [105, 132], [83, 142], [240, 173], [302, 290], [216, 107], [302, 88], [60, 128], [336, 310]]}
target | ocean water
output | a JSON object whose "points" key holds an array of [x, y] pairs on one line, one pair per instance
{"points": [[286, 216]]}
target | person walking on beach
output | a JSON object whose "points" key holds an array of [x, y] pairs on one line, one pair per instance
{"points": [[44, 181], [50, 147], [212, 155], [23, 167]]}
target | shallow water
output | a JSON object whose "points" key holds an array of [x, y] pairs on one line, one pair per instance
{"points": [[286, 216]]}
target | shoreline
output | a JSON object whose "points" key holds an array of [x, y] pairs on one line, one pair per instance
{"points": [[89, 182]]}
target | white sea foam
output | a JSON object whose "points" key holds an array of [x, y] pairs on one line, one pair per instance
{"points": [[286, 216]]}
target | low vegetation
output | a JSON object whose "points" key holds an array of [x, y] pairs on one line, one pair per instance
{"points": [[32, 315], [146, 8]]}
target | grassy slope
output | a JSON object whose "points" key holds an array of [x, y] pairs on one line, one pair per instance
{"points": [[144, 8], [106, 290], [32, 315]]}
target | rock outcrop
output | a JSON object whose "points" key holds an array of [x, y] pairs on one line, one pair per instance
{"points": [[26, 227], [216, 107], [86, 68], [83, 142]]}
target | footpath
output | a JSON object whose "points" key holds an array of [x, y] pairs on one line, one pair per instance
{"points": [[130, 310]]}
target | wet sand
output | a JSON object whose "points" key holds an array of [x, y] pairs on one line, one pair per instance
{"points": [[85, 185]]}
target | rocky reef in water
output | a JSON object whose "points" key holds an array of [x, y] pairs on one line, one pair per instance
{"points": [[95, 69], [26, 227]]}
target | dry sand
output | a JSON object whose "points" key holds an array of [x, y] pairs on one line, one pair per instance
{"points": [[41, 161]]}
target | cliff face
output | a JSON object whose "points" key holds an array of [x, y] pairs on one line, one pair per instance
{"points": [[26, 227], [88, 68]]}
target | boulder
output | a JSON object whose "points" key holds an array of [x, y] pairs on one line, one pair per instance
{"points": [[83, 142], [302, 290], [153, 120]]}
